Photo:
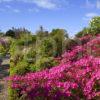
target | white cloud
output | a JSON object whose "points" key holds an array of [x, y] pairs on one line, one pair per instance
{"points": [[91, 14], [9, 9], [5, 1], [98, 4], [88, 16], [45, 4], [16, 10], [33, 10], [48, 4]]}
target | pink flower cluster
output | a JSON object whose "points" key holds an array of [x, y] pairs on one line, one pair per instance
{"points": [[76, 77]]}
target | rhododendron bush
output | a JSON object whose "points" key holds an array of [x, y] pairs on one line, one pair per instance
{"points": [[77, 77]]}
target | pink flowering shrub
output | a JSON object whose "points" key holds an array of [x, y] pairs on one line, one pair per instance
{"points": [[76, 77]]}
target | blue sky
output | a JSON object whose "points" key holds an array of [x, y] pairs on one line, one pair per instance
{"points": [[71, 15]]}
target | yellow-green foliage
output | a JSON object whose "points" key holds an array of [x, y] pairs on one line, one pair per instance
{"points": [[2, 50], [45, 62]]}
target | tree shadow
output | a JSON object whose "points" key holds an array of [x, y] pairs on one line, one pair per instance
{"points": [[1, 87], [4, 71], [3, 74]]}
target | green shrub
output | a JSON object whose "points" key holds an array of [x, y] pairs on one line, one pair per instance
{"points": [[31, 55], [13, 94], [32, 67], [21, 68], [45, 62], [2, 50]]}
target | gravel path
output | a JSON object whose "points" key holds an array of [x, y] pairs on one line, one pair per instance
{"points": [[4, 72]]}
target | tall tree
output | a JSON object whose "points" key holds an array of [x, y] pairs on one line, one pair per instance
{"points": [[95, 25], [41, 32], [10, 33], [59, 35]]}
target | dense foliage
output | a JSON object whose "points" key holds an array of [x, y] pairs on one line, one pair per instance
{"points": [[4, 45], [76, 77], [31, 53]]}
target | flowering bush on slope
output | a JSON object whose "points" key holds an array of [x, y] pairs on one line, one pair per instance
{"points": [[76, 77]]}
